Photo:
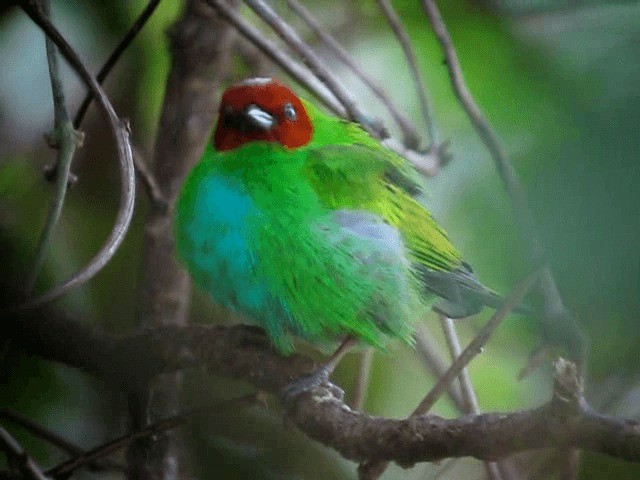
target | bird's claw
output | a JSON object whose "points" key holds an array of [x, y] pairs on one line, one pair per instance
{"points": [[304, 384]]}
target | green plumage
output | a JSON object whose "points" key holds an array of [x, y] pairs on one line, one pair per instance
{"points": [[320, 241]]}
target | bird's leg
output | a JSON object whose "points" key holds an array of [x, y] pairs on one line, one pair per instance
{"points": [[321, 374]]}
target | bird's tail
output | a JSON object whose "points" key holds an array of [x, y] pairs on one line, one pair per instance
{"points": [[462, 295]]}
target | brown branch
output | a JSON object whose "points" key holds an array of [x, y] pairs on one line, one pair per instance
{"points": [[40, 431], [53, 438], [245, 353], [200, 44]]}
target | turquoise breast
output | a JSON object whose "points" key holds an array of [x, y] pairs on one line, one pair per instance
{"points": [[219, 238]]}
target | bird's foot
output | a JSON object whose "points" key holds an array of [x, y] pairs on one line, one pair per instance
{"points": [[305, 384]]}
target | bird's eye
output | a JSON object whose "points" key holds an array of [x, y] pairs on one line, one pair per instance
{"points": [[290, 112]]}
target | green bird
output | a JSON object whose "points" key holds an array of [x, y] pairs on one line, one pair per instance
{"points": [[307, 225]]}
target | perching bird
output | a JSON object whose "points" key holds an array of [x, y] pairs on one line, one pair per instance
{"points": [[304, 223]]}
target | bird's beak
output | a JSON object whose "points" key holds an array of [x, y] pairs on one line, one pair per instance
{"points": [[259, 118]]}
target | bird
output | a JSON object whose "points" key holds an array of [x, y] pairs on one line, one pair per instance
{"points": [[305, 224]]}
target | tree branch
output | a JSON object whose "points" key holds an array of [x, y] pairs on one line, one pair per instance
{"points": [[315, 64], [65, 139], [127, 190], [115, 56], [200, 45], [412, 61], [245, 353], [19, 457], [411, 138]]}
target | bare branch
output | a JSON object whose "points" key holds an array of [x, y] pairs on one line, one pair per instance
{"points": [[475, 347], [52, 437], [41, 431], [364, 377], [125, 157], [66, 468], [466, 386], [243, 352], [271, 50], [411, 138], [65, 139], [149, 180], [421, 88], [115, 56], [557, 319], [435, 364], [315, 64], [16, 454]]}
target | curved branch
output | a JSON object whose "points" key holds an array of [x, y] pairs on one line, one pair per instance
{"points": [[120, 132]]}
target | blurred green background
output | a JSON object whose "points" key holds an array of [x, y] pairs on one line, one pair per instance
{"points": [[560, 80]]}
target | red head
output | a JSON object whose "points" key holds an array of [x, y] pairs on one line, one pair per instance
{"points": [[261, 109]]}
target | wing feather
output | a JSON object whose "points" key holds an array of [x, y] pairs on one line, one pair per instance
{"points": [[377, 180]]}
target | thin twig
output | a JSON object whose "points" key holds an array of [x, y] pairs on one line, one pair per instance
{"points": [[435, 364], [271, 50], [148, 180], [555, 310], [364, 377], [53, 438], [466, 386], [65, 139], [372, 470], [428, 163], [450, 335], [162, 426], [475, 347], [115, 56], [125, 158], [405, 42], [41, 431], [315, 64], [411, 138], [15, 453]]}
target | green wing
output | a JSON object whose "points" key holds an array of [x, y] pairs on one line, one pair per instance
{"points": [[365, 177]]}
